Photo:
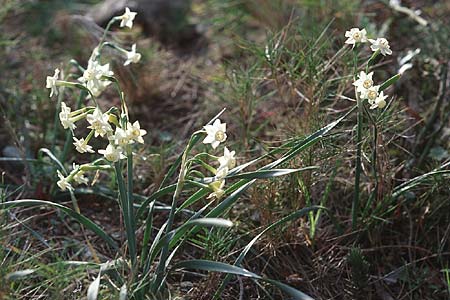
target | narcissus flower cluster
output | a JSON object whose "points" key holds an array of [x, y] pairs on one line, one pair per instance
{"points": [[367, 90], [112, 125], [216, 134], [101, 124], [364, 84], [356, 35], [95, 76]]}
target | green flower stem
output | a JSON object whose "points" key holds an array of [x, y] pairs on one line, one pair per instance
{"points": [[355, 204], [130, 196], [373, 162], [55, 122], [123, 200], [165, 251], [82, 111], [78, 86], [89, 136], [89, 167], [68, 141], [114, 46], [371, 60], [108, 26]]}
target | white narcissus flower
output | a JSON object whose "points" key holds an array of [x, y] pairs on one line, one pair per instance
{"points": [[92, 77], [64, 117], [79, 178], [227, 160], [65, 110], [216, 133], [51, 83], [379, 102], [120, 138], [111, 153], [371, 93], [99, 122], [132, 56], [394, 2], [217, 187], [404, 68], [135, 132], [78, 175], [63, 182], [381, 44], [127, 18], [82, 146], [222, 172], [364, 82], [355, 35]]}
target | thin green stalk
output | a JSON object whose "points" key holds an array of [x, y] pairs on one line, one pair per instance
{"points": [[123, 199], [55, 124], [165, 251], [324, 199], [105, 32], [67, 144], [373, 163], [147, 234], [130, 200], [68, 140], [355, 204]]}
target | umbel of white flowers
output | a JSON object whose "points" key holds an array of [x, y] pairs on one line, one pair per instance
{"points": [[366, 89], [216, 134], [119, 140], [356, 35], [93, 77], [101, 124], [120, 135], [364, 84]]}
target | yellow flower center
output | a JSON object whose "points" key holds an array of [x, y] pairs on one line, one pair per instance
{"points": [[89, 74], [219, 136], [136, 132], [372, 95], [367, 83], [356, 36]]}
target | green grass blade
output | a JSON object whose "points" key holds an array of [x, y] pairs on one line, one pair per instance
{"points": [[158, 194], [264, 174], [209, 222], [80, 218], [147, 233], [17, 275], [306, 143], [175, 235], [214, 266], [389, 82], [177, 163], [193, 199], [126, 212], [54, 159], [123, 292], [154, 248], [415, 181], [244, 252], [289, 290], [293, 216], [171, 238], [92, 292]]}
